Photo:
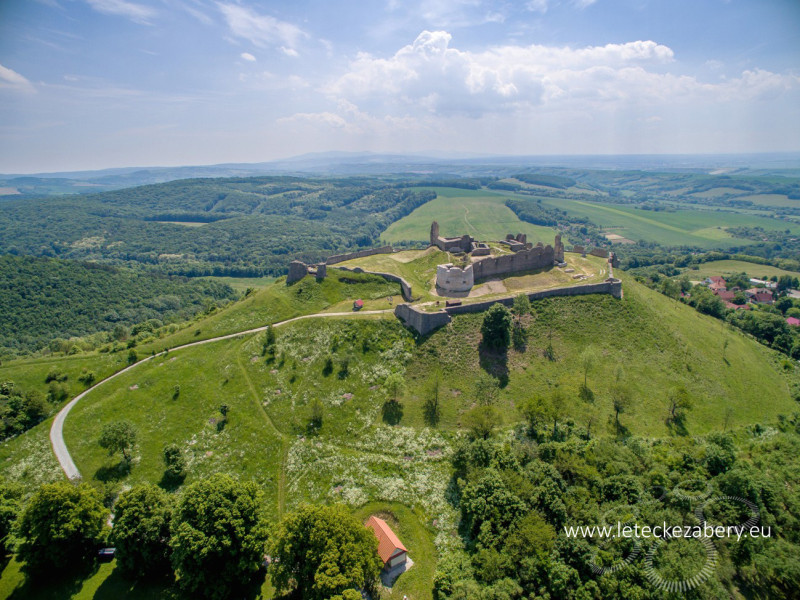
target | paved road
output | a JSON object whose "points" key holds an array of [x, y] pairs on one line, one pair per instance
{"points": [[57, 429]]}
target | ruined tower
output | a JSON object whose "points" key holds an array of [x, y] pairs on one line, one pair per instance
{"points": [[434, 234]]}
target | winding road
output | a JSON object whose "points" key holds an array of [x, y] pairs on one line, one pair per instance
{"points": [[57, 428]]}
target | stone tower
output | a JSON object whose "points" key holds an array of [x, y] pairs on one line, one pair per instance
{"points": [[434, 233], [558, 246]]}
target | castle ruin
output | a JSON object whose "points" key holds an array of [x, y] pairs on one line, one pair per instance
{"points": [[525, 257]]}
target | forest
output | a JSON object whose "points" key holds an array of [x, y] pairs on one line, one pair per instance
{"points": [[46, 299], [236, 227]]}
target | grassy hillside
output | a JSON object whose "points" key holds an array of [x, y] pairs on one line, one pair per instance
{"points": [[482, 214], [375, 456]]}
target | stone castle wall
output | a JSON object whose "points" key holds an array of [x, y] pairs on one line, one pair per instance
{"points": [[332, 260], [537, 257], [425, 322]]}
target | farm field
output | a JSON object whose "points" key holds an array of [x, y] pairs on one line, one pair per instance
{"points": [[727, 267], [479, 213], [679, 228]]}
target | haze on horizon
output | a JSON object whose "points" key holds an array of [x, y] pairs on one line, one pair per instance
{"points": [[91, 84]]}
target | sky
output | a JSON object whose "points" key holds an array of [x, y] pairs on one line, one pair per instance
{"points": [[90, 84]]}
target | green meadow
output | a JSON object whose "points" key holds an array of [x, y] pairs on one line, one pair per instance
{"points": [[479, 213]]}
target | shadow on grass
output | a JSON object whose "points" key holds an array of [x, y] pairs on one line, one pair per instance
{"points": [[47, 584], [116, 586], [494, 362], [115, 472], [170, 483], [392, 412]]}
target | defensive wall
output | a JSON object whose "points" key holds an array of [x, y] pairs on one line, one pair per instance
{"points": [[405, 287], [332, 260], [425, 322]]}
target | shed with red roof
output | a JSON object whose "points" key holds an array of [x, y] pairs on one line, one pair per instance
{"points": [[390, 548]]}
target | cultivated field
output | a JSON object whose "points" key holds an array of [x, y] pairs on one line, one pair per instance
{"points": [[480, 213], [703, 228], [727, 267]]}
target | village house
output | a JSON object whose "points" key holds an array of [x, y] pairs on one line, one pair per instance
{"points": [[390, 548], [793, 321], [715, 283], [759, 295]]}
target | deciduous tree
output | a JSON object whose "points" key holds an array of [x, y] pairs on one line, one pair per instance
{"points": [[141, 532]]}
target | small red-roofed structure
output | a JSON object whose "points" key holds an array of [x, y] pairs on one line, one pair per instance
{"points": [[390, 548], [358, 304]]}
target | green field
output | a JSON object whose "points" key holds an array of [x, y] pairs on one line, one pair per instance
{"points": [[703, 228], [479, 213], [727, 267]]}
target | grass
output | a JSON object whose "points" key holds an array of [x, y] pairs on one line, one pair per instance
{"points": [[704, 228], [479, 213], [727, 267], [278, 302], [409, 525]]}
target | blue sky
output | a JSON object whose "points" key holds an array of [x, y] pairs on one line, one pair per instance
{"points": [[90, 84]]}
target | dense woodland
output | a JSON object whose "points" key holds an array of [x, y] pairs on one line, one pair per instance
{"points": [[47, 299]]}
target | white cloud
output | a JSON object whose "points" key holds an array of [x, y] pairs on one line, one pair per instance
{"points": [[248, 57], [583, 3], [260, 30], [431, 76], [289, 51], [537, 6], [11, 80], [135, 12]]}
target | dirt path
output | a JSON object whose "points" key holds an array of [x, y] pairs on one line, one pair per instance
{"points": [[57, 428]]}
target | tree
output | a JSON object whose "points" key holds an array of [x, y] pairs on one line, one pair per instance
{"points": [[10, 504], [393, 386], [119, 436], [678, 404], [621, 399], [132, 356], [588, 359], [317, 413], [61, 527], [175, 463], [487, 389], [496, 327], [522, 305], [219, 536], [141, 532], [481, 421], [321, 551], [431, 407]]}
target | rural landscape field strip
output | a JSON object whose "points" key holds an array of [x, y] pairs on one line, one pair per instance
{"points": [[57, 429]]}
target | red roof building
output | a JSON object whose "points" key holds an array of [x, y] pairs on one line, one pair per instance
{"points": [[358, 304], [725, 295], [390, 548], [794, 322]]}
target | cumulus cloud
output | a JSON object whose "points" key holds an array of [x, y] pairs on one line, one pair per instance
{"points": [[248, 57], [261, 30], [431, 77], [10, 79], [135, 12]]}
